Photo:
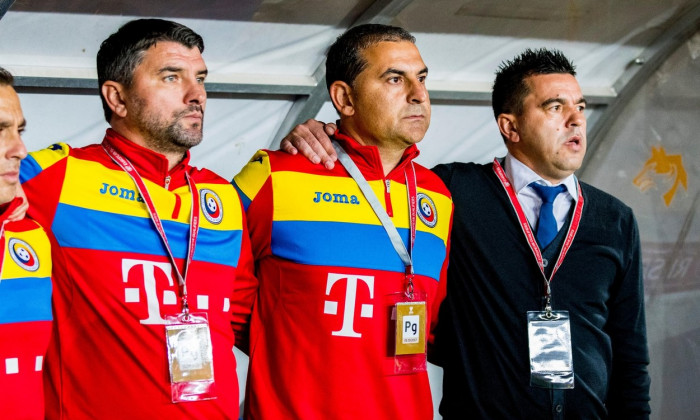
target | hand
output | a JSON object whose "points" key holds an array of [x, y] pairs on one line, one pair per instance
{"points": [[312, 140]]}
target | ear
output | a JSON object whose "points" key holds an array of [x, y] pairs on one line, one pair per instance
{"points": [[113, 92], [341, 95], [508, 125]]}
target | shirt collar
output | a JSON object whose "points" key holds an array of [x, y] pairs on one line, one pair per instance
{"points": [[520, 176]]}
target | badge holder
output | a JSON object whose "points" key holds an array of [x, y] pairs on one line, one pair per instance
{"points": [[549, 334], [190, 357], [409, 322]]}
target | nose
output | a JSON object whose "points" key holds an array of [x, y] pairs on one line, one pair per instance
{"points": [[16, 148], [577, 118], [418, 93], [196, 94]]}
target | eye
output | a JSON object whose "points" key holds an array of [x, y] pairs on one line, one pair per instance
{"points": [[200, 80], [581, 108], [395, 80], [422, 78], [170, 78]]}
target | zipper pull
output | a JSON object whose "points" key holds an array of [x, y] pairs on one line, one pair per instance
{"points": [[387, 198], [167, 182]]}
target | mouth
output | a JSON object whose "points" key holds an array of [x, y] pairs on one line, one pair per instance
{"points": [[194, 116], [415, 117], [10, 176], [194, 112], [574, 142]]}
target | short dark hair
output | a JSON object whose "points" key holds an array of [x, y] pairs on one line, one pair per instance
{"points": [[510, 88], [344, 60], [123, 51], [6, 78]]}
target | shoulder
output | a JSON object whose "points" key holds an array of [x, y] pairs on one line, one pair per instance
{"points": [[37, 161], [460, 173], [56, 155], [266, 162], [429, 180], [24, 225], [605, 207], [204, 175], [603, 201]]}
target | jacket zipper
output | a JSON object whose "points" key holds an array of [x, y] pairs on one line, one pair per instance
{"points": [[387, 198]]}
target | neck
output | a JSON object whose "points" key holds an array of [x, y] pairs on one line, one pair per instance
{"points": [[173, 158], [390, 158], [525, 160], [389, 155], [173, 154]]}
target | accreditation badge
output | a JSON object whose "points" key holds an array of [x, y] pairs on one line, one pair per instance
{"points": [[190, 357], [410, 331], [549, 335], [409, 320]]}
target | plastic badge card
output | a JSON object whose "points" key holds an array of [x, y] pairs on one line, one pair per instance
{"points": [[190, 357], [551, 364], [410, 338]]}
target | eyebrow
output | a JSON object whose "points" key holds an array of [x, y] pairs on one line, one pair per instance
{"points": [[179, 69], [392, 70], [5, 124], [561, 101]]}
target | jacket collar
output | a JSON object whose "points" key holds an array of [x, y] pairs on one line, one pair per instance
{"points": [[7, 208], [149, 164], [367, 158]]}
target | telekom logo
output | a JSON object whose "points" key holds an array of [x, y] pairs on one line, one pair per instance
{"points": [[331, 307], [131, 294]]}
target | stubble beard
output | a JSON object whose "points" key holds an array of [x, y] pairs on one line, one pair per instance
{"points": [[170, 136]]}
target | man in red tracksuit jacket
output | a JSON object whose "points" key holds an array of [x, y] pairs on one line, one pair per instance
{"points": [[136, 233]]}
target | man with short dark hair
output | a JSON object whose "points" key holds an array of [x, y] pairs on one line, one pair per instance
{"points": [[351, 262], [544, 310], [153, 254], [587, 267], [25, 276]]}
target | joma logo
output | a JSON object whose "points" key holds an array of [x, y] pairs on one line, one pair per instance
{"points": [[124, 193], [335, 198]]}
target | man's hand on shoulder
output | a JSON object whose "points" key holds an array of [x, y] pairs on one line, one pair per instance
{"points": [[312, 140]]}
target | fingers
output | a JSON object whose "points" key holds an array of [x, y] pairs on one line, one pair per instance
{"points": [[330, 128], [287, 146], [311, 139]]}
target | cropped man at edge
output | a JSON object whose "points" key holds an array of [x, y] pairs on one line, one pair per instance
{"points": [[349, 270], [538, 261], [25, 277], [147, 246]]}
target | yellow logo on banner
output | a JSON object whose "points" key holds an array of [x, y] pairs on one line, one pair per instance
{"points": [[670, 166]]}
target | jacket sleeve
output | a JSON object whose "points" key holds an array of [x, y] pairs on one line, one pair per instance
{"points": [[440, 294], [254, 185], [42, 174], [244, 293], [629, 384], [254, 188]]}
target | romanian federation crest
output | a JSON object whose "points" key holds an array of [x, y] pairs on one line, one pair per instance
{"points": [[211, 204], [427, 212], [23, 254]]}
